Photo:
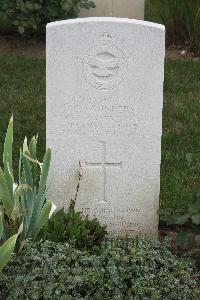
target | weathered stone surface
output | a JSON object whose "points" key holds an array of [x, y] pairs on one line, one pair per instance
{"points": [[133, 9], [104, 119]]}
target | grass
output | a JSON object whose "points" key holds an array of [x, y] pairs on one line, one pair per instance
{"points": [[181, 132], [22, 92]]}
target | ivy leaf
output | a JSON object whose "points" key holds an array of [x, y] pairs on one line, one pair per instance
{"points": [[183, 238], [194, 206], [15, 22], [21, 29], [180, 220], [29, 5], [92, 4], [37, 6], [34, 26], [166, 215], [196, 219], [65, 5]]}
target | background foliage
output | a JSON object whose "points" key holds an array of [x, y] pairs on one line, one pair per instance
{"points": [[122, 269], [35, 14], [181, 18]]}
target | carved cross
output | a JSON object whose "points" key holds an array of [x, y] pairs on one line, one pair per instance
{"points": [[104, 165]]}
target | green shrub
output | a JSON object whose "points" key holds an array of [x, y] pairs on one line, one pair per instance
{"points": [[124, 269], [35, 14], [83, 233], [181, 18]]}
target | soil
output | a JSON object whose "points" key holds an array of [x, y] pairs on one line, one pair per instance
{"points": [[189, 249], [36, 47], [173, 52], [28, 46]]}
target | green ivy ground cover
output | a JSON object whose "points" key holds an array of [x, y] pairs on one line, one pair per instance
{"points": [[141, 269], [22, 92]]}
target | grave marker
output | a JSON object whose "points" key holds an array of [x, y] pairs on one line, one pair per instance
{"points": [[104, 119]]}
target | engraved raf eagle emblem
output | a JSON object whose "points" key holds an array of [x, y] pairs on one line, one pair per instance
{"points": [[105, 66]]}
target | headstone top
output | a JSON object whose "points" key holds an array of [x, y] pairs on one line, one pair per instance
{"points": [[106, 19]]}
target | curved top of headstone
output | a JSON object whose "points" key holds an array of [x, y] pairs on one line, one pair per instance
{"points": [[105, 19]]}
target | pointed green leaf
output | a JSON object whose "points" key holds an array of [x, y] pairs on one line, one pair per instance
{"points": [[25, 147], [1, 225], [33, 155], [42, 218], [44, 173], [28, 196], [27, 204], [7, 157], [3, 230], [5, 195], [27, 171], [33, 147], [7, 249], [7, 154], [20, 167], [38, 205]]}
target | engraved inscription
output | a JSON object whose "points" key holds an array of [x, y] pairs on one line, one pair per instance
{"points": [[99, 127], [103, 164], [105, 65], [126, 226], [100, 115], [108, 210]]}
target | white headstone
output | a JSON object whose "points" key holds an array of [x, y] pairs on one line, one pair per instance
{"points": [[133, 9], [104, 119]]}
